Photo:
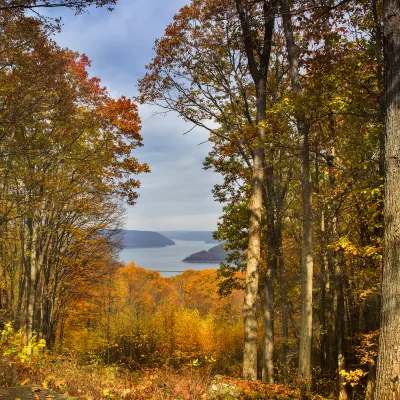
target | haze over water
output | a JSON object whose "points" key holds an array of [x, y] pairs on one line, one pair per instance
{"points": [[167, 259]]}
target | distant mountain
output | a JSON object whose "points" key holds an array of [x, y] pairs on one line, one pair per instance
{"points": [[199, 236], [215, 255], [144, 239]]}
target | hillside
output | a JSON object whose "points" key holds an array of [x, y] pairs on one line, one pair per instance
{"points": [[200, 236], [216, 254], [145, 239]]}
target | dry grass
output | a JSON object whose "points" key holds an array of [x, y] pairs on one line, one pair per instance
{"points": [[97, 382]]}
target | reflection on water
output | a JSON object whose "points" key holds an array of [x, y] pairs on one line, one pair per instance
{"points": [[168, 260]]}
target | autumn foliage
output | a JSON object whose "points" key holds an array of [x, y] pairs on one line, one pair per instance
{"points": [[140, 319], [292, 95], [66, 163], [201, 71]]}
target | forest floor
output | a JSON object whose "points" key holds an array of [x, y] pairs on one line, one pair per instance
{"points": [[73, 380]]}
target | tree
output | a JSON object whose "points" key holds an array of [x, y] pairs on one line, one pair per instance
{"points": [[259, 68], [202, 71], [193, 75], [307, 247], [66, 159], [388, 375]]}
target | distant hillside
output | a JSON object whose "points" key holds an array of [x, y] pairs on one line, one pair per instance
{"points": [[145, 239], [216, 254], [200, 236]]}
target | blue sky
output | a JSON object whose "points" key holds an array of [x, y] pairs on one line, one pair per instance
{"points": [[177, 194]]}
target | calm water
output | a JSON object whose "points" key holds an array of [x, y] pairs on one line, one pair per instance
{"points": [[168, 258]]}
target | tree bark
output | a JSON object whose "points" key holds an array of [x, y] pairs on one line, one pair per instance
{"points": [[371, 384], [253, 263], [268, 346], [284, 305], [30, 271], [259, 72], [388, 367], [340, 328], [380, 77], [269, 278], [304, 372]]}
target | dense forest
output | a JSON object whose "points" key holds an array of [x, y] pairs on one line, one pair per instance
{"points": [[301, 100]]}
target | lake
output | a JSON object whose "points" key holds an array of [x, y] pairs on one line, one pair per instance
{"points": [[168, 260]]}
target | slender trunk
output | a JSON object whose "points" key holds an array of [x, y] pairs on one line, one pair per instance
{"points": [[306, 262], [253, 256], [284, 305], [323, 308], [340, 329], [337, 269], [31, 299], [5, 292], [304, 372], [268, 348], [46, 304], [3, 302], [292, 320], [323, 273], [19, 317], [379, 73], [371, 384], [268, 335], [369, 322], [29, 278], [388, 372], [54, 309]]}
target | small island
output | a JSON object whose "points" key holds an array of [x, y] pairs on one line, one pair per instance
{"points": [[145, 239], [215, 255]]}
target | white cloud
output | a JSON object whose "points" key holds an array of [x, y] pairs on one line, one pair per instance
{"points": [[177, 193]]}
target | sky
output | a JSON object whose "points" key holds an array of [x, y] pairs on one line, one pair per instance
{"points": [[176, 195]]}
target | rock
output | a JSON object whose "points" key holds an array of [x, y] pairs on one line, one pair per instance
{"points": [[221, 389], [31, 392]]}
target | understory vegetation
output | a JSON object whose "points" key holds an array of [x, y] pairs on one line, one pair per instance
{"points": [[170, 340]]}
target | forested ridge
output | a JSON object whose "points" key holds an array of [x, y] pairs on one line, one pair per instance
{"points": [[301, 100]]}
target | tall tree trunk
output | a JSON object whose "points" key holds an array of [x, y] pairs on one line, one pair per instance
{"points": [[388, 372], [259, 72], [323, 287], [340, 328], [28, 280], [284, 305], [371, 383], [268, 334], [337, 261], [253, 259], [268, 346], [323, 354], [46, 304], [53, 309], [380, 77], [31, 279], [19, 315], [304, 372]]}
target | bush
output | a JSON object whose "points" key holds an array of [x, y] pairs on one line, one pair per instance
{"points": [[18, 357]]}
